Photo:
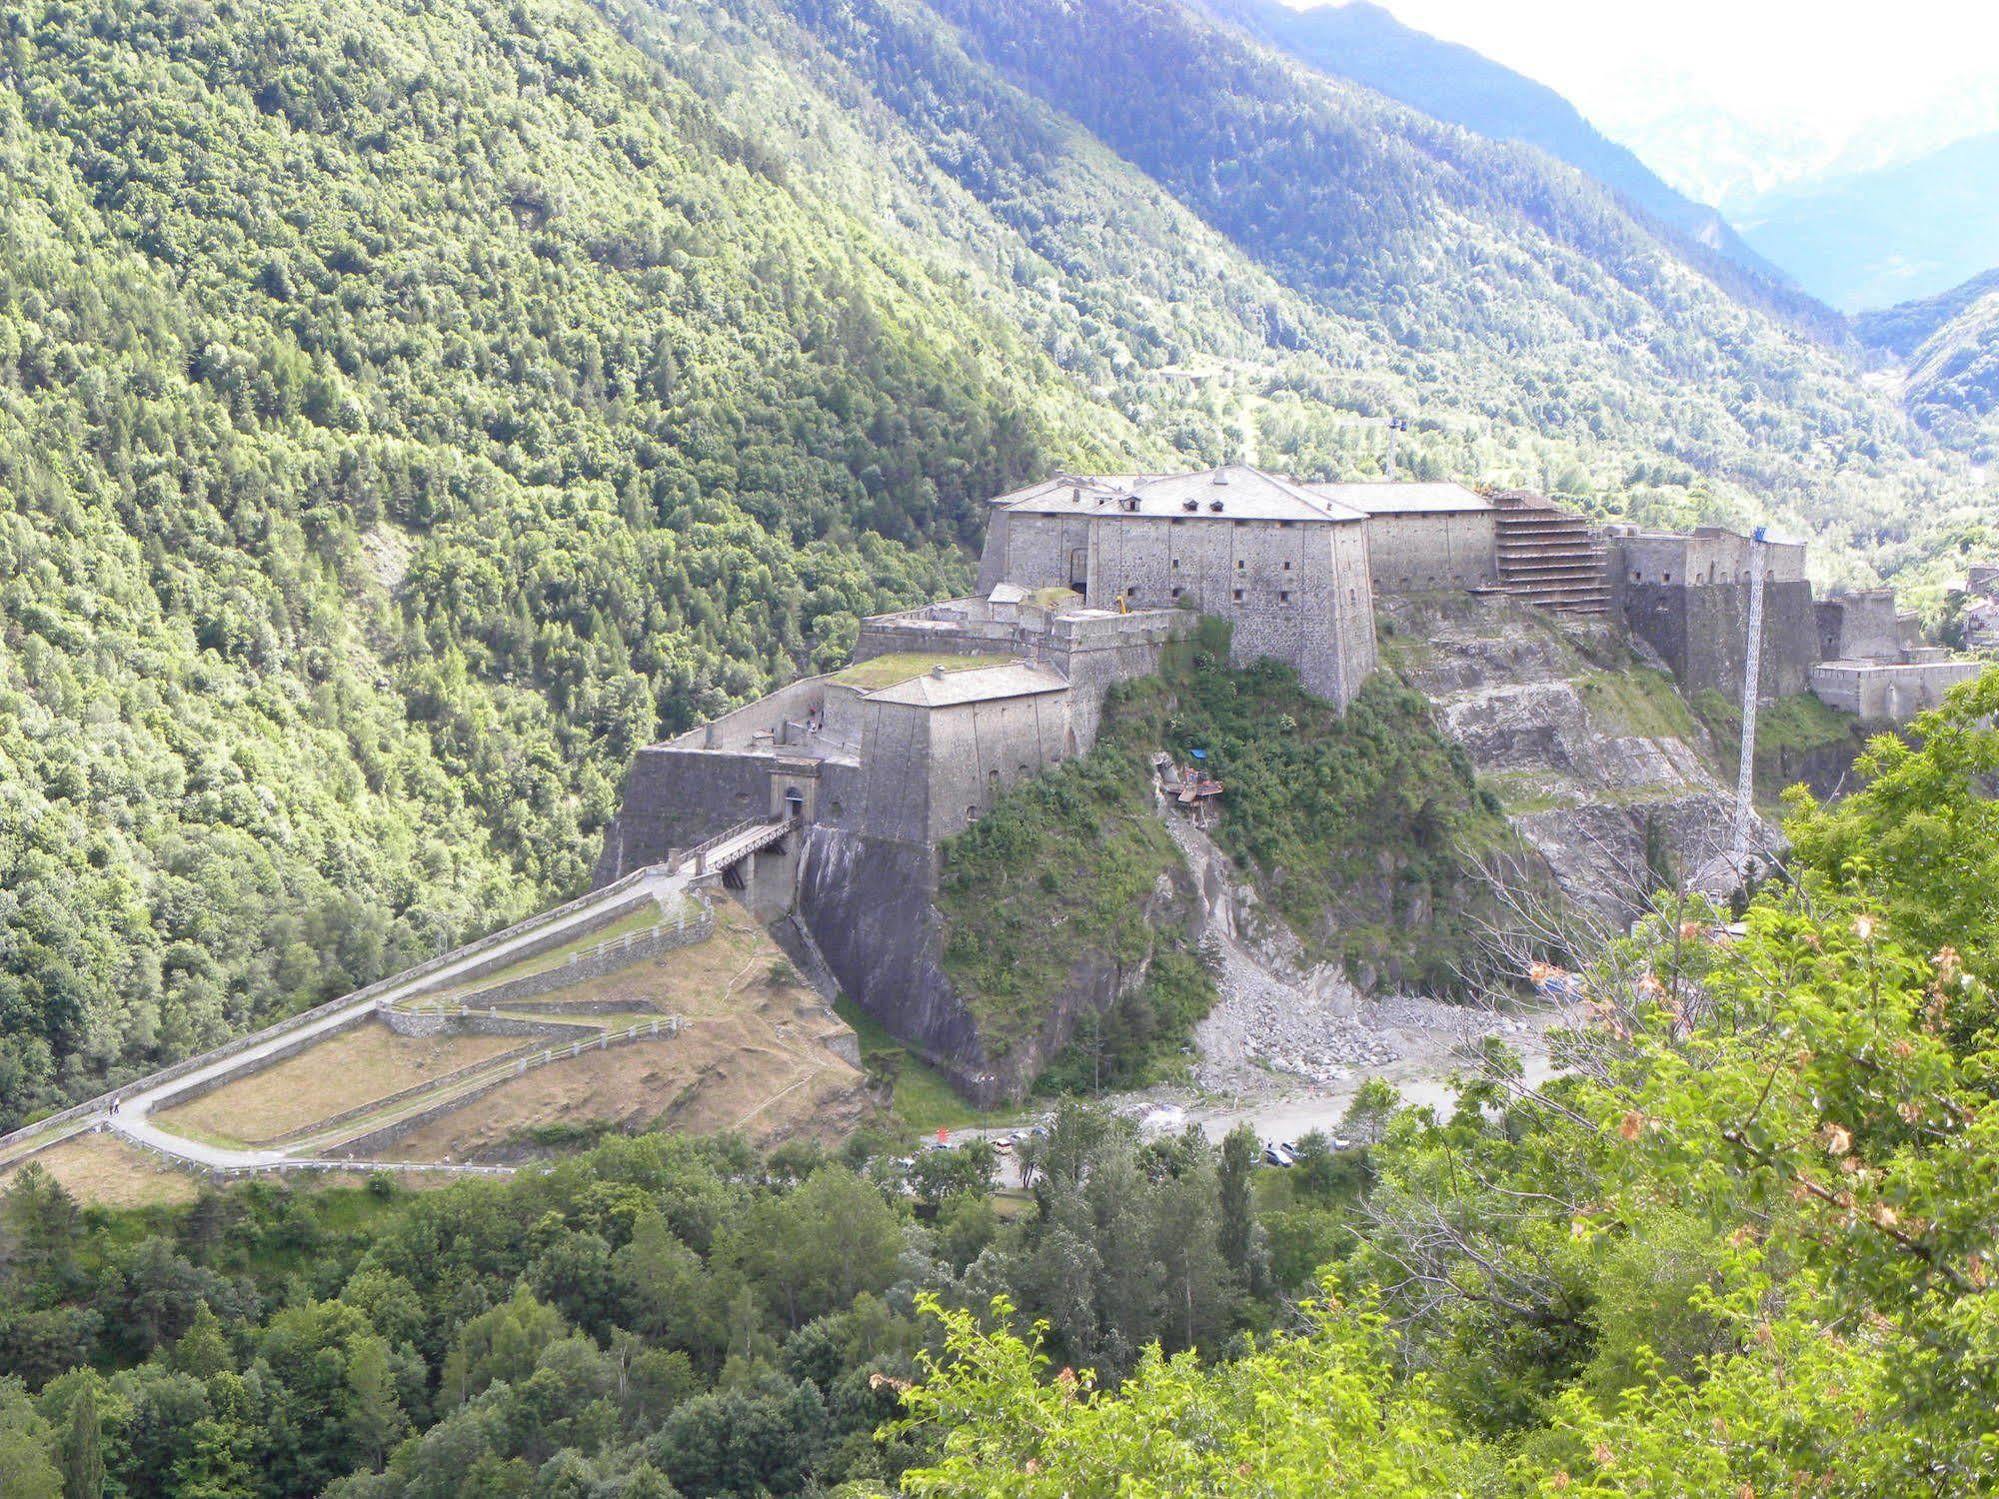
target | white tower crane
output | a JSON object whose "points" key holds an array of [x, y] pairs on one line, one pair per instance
{"points": [[1752, 671]]}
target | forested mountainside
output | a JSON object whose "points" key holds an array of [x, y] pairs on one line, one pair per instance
{"points": [[406, 411], [1950, 346], [1451, 82], [1901, 328], [1522, 314], [401, 418]]}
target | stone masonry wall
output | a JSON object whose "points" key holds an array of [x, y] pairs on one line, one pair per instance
{"points": [[1700, 631], [1449, 549], [1889, 693], [580, 970]]}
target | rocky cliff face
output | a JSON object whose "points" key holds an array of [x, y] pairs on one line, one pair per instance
{"points": [[1602, 769], [871, 909]]}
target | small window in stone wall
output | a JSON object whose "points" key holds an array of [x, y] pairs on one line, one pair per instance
{"points": [[1238, 595], [1240, 564], [1283, 595], [1287, 567], [1176, 593]]}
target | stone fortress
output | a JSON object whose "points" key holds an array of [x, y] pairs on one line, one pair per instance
{"points": [[1084, 583]]}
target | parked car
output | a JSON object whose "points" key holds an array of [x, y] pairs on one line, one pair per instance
{"points": [[1003, 1144], [1276, 1155]]}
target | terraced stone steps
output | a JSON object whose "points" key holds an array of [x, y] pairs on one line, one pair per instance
{"points": [[1548, 556]]}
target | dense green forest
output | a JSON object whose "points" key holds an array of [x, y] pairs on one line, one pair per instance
{"points": [[1742, 1244], [400, 420], [407, 410]]}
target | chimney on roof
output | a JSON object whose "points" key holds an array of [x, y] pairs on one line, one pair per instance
{"points": [[937, 671], [1221, 477]]}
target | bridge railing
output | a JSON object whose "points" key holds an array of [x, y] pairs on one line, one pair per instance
{"points": [[680, 858]]}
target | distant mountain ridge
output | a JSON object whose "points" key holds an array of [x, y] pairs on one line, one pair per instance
{"points": [[1454, 83], [1877, 238], [1950, 343]]}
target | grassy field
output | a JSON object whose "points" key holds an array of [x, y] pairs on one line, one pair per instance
{"points": [[100, 1170], [900, 666], [1639, 700], [340, 1073], [923, 1100]]}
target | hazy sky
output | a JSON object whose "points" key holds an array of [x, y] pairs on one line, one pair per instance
{"points": [[1834, 72]]}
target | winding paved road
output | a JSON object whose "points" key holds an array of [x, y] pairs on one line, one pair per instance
{"points": [[130, 1116]]}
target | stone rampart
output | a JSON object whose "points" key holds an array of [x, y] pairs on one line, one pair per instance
{"points": [[1701, 630], [522, 1063], [606, 958], [1888, 692], [1410, 552]]}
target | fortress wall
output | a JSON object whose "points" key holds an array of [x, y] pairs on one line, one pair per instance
{"points": [[676, 797], [1700, 632], [969, 638], [869, 906], [1888, 692], [1447, 549], [1097, 652], [1353, 597], [978, 750], [792, 703], [893, 785], [1298, 593], [841, 714], [992, 557], [1859, 627], [1034, 551], [1708, 555]]}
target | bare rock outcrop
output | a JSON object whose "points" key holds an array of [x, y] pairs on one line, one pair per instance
{"points": [[1602, 769]]}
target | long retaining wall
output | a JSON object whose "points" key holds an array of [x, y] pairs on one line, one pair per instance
{"points": [[665, 1027], [390, 1100], [59, 1126], [605, 958]]}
